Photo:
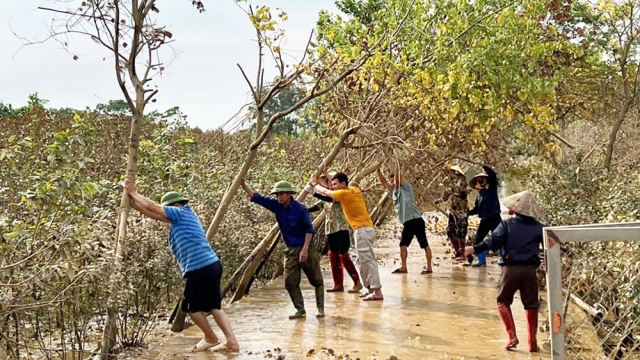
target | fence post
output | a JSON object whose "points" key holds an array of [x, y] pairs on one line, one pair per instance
{"points": [[554, 295]]}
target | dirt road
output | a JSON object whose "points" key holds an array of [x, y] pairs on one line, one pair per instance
{"points": [[450, 314]]}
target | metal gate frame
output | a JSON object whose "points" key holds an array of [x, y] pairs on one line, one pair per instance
{"points": [[552, 237]]}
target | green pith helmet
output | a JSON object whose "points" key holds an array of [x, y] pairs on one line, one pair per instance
{"points": [[172, 197], [282, 186]]}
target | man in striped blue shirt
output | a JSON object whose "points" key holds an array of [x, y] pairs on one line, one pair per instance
{"points": [[198, 262]]}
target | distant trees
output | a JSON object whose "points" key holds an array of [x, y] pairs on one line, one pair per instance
{"points": [[295, 123]]}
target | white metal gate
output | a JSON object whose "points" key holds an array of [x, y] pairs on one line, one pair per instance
{"points": [[593, 284]]}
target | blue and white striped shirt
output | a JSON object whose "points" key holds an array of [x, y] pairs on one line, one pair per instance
{"points": [[188, 240]]}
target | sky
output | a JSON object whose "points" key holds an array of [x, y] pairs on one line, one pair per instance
{"points": [[203, 79]]}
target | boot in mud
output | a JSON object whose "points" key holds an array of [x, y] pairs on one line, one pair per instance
{"points": [[482, 260], [350, 267], [509, 325], [320, 301], [298, 315], [336, 271], [356, 288], [298, 302], [532, 330]]}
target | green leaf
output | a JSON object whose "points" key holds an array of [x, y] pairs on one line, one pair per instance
{"points": [[14, 234], [89, 189]]}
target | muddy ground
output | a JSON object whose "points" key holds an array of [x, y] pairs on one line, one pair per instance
{"points": [[450, 314]]}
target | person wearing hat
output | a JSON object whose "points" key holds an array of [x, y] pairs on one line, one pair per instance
{"points": [[520, 237], [355, 209], [487, 207], [297, 233], [409, 215], [338, 237], [199, 264], [456, 190]]}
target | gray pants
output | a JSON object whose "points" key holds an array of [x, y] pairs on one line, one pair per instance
{"points": [[365, 236]]}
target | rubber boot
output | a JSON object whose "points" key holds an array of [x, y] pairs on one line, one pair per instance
{"points": [[482, 260], [456, 249], [336, 271], [350, 267], [320, 301], [298, 302], [532, 329], [509, 325], [469, 260]]}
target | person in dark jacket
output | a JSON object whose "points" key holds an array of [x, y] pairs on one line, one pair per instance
{"points": [[487, 207], [520, 238], [297, 231]]}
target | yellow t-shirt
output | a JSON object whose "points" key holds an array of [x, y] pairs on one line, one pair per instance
{"points": [[354, 207]]}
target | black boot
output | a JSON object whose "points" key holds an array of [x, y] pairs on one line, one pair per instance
{"points": [[320, 301], [298, 302]]}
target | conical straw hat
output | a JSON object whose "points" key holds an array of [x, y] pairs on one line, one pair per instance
{"points": [[523, 203], [475, 179], [457, 169]]}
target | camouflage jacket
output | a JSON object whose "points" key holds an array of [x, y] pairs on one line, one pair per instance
{"points": [[455, 193]]}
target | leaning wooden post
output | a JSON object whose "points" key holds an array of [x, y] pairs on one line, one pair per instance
{"points": [[317, 223], [381, 210]]}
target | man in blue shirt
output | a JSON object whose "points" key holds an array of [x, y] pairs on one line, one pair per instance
{"points": [[297, 232], [198, 262]]}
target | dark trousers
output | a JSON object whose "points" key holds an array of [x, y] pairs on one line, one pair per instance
{"points": [[485, 226], [519, 277], [339, 241]]}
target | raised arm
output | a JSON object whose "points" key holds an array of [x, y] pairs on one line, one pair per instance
{"points": [[322, 197], [316, 207], [143, 204], [247, 189], [493, 177], [476, 208], [323, 191], [399, 178], [383, 180]]}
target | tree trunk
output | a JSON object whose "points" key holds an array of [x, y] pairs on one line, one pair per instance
{"points": [[317, 223], [230, 194], [232, 282], [110, 330], [614, 134], [381, 210]]}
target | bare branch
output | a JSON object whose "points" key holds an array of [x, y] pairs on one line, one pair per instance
{"points": [[303, 101], [253, 92]]}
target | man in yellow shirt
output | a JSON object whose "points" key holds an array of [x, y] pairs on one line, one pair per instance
{"points": [[355, 209]]}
